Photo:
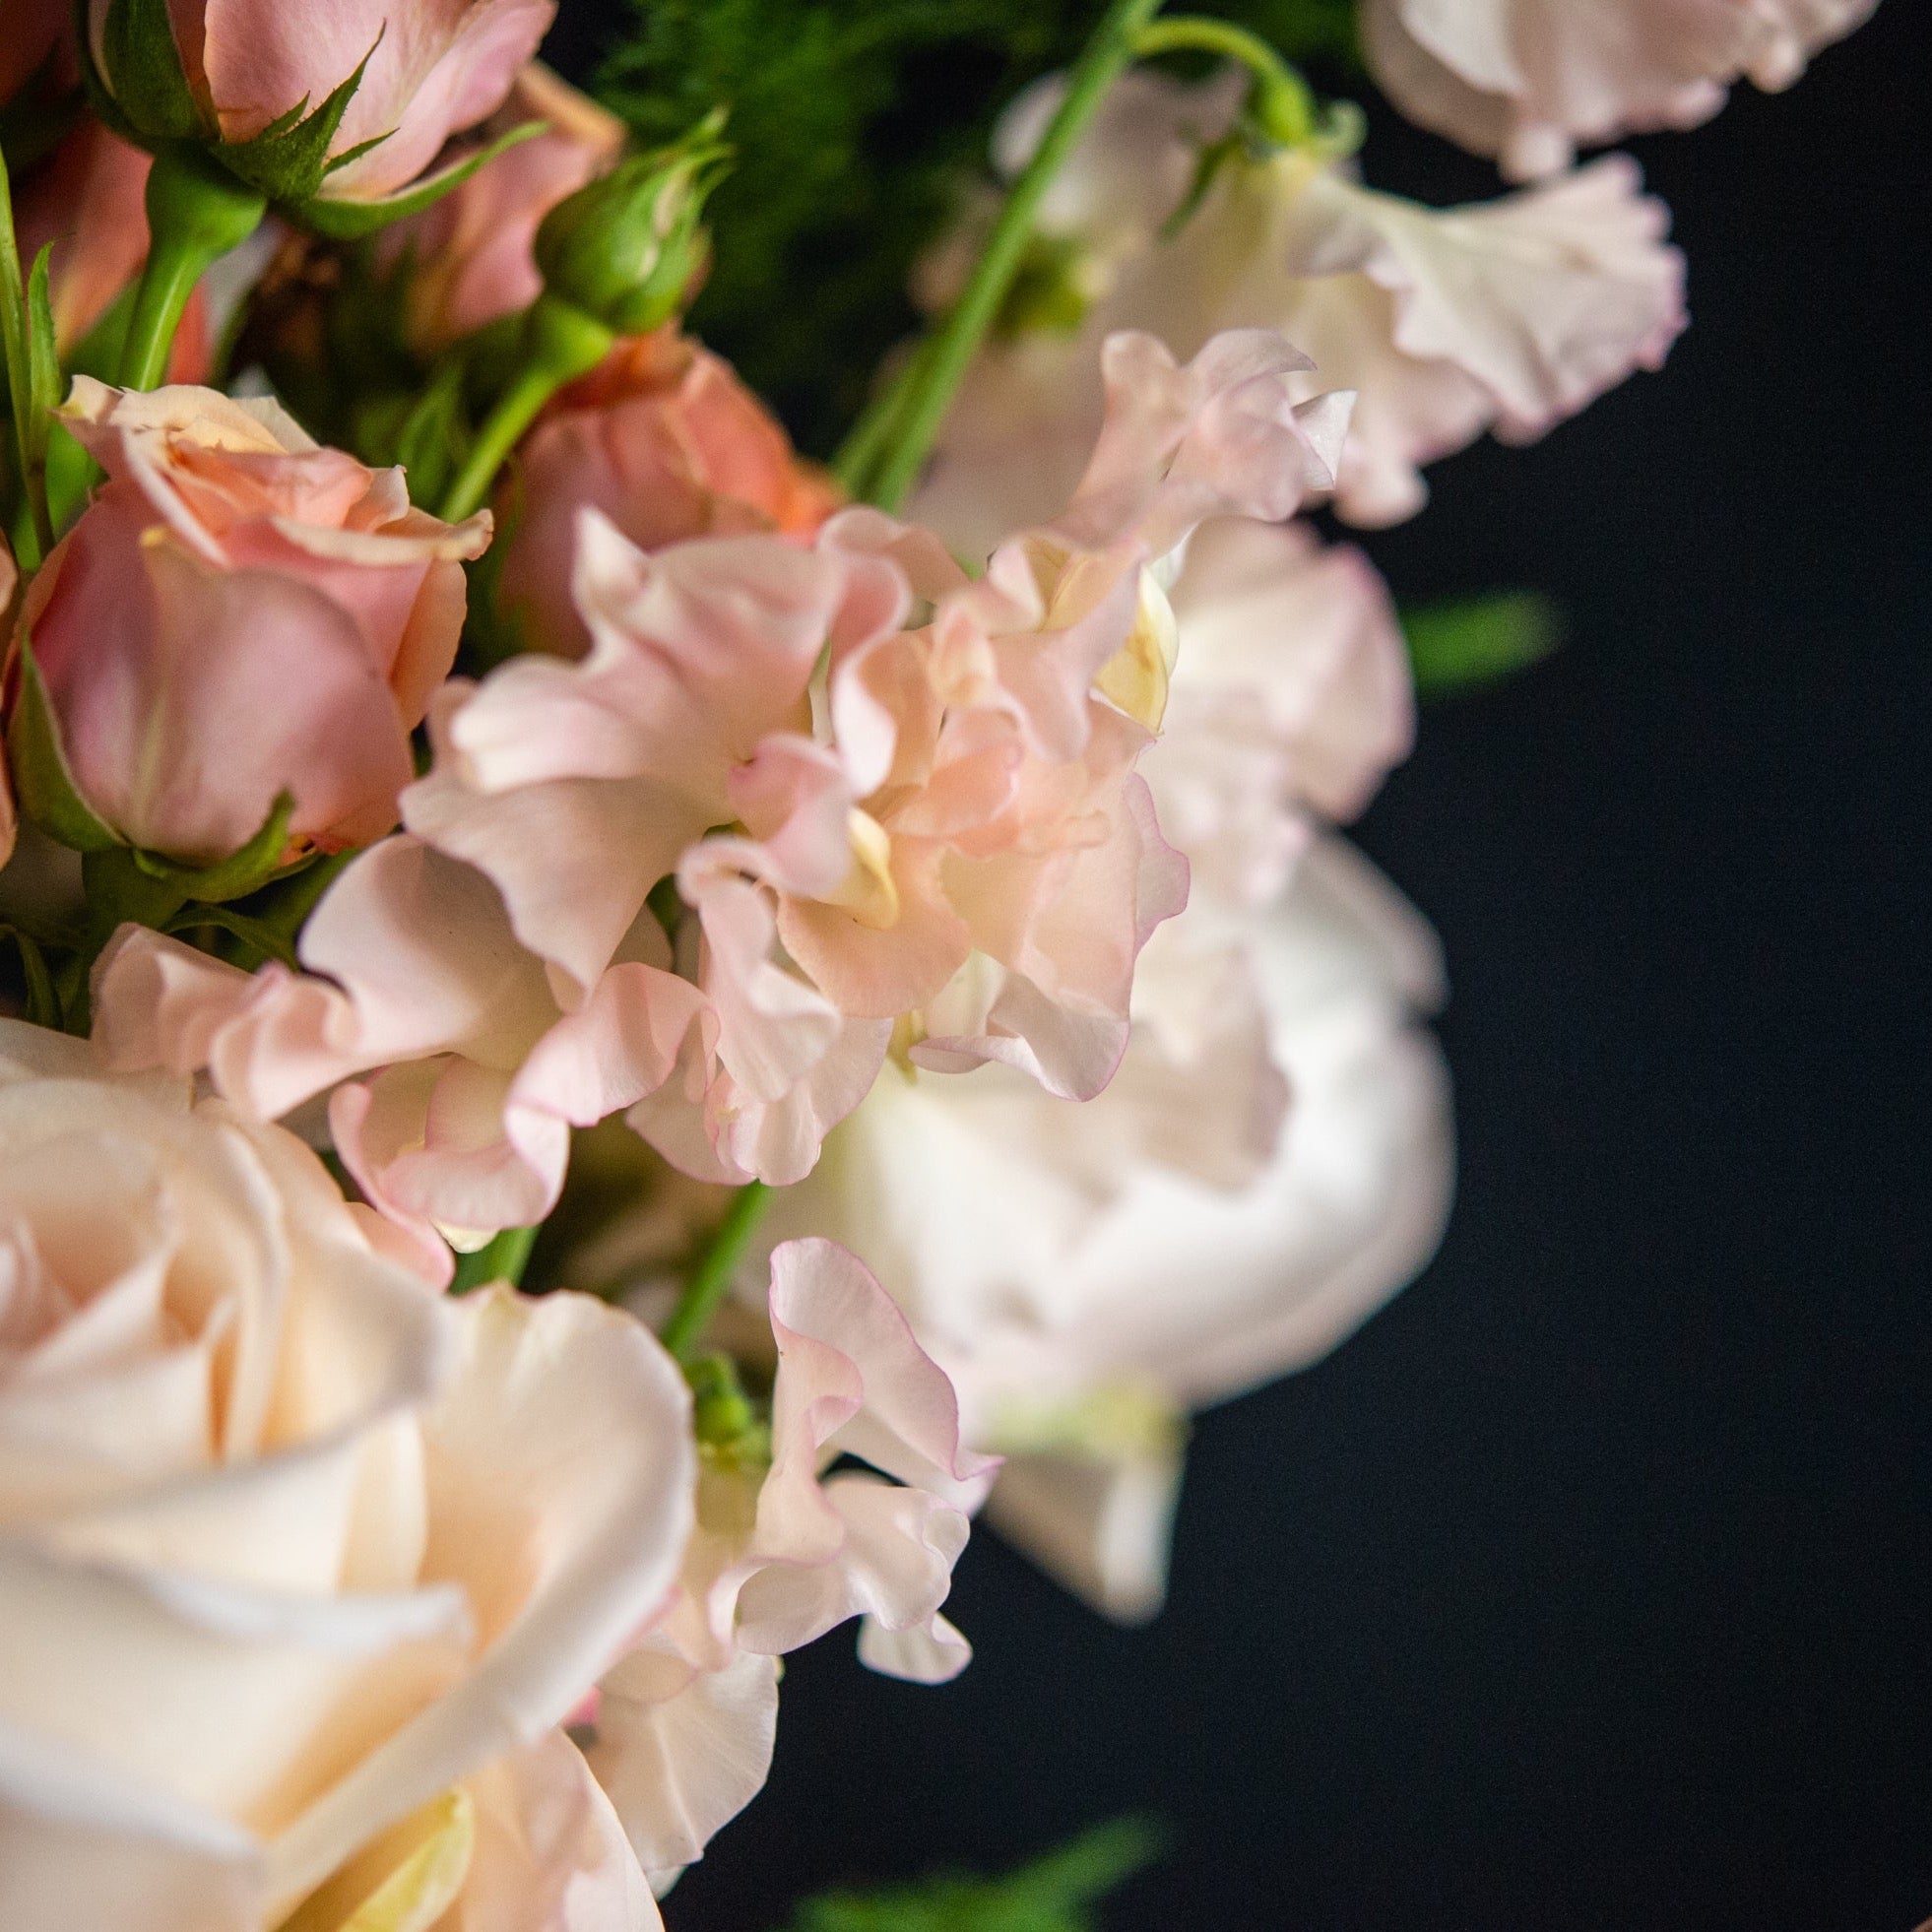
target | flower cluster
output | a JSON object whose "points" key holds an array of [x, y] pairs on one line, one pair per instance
{"points": [[473, 790]]}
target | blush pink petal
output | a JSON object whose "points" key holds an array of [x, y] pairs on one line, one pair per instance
{"points": [[434, 68]]}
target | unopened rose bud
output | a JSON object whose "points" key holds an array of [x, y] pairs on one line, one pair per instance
{"points": [[628, 247]]}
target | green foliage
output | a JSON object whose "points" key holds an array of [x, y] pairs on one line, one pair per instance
{"points": [[1054, 1894], [1457, 645], [854, 122]]}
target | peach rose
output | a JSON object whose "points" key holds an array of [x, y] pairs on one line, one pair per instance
{"points": [[241, 613], [428, 71], [668, 443], [302, 1567]]}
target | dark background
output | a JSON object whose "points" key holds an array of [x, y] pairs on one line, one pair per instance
{"points": [[1590, 1585]]}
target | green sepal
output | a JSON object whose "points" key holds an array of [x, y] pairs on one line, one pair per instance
{"points": [[144, 76], [1461, 643], [351, 221], [245, 871], [290, 158], [42, 777]]}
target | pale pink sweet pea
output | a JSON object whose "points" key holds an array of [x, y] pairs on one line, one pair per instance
{"points": [[956, 846], [411, 974], [240, 612], [434, 67], [1509, 314], [469, 256], [667, 444], [1529, 81], [783, 1552]]}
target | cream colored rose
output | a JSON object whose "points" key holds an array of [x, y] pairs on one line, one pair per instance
{"points": [[301, 1566]]}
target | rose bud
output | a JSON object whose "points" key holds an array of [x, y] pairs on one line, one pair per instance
{"points": [[471, 259], [342, 104], [240, 615], [626, 249]]}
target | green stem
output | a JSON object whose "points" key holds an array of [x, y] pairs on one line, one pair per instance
{"points": [[1282, 104], [502, 1257], [711, 1280], [560, 343], [951, 349], [195, 212]]}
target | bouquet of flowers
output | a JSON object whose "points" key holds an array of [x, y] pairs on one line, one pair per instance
{"points": [[614, 1033]]}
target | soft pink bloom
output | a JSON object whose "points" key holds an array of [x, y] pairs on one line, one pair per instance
{"points": [[436, 67], [1291, 702], [960, 848], [1529, 80], [783, 1553], [240, 612], [470, 255], [413, 975], [1511, 314], [301, 1567], [666, 441]]}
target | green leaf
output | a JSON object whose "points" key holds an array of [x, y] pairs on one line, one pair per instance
{"points": [[1054, 1894], [350, 221], [1459, 644], [42, 777], [143, 75], [42, 1001], [287, 159]]}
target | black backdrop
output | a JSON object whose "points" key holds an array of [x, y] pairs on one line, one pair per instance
{"points": [[1590, 1585]]}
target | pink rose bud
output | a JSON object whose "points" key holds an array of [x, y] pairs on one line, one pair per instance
{"points": [[384, 83], [471, 256], [666, 440], [239, 615]]}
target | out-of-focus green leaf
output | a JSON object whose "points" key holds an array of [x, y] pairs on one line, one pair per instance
{"points": [[1464, 642], [1058, 1893]]}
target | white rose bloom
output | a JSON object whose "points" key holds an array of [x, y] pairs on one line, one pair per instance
{"points": [[302, 1567]]}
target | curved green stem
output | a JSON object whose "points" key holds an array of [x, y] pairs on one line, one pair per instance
{"points": [[951, 349], [562, 343], [1284, 105], [711, 1280], [502, 1257], [195, 212]]}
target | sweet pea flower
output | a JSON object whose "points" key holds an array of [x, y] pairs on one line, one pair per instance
{"points": [[1507, 315], [959, 849], [785, 1551], [240, 612], [413, 973], [470, 255], [302, 1569], [1277, 1138], [1528, 81], [667, 443], [427, 72]]}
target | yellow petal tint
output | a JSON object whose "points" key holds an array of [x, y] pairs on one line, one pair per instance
{"points": [[1135, 677], [868, 892], [402, 1882]]}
